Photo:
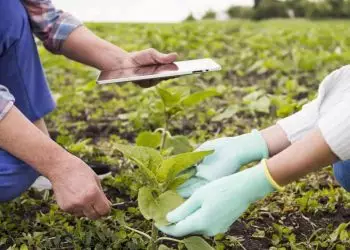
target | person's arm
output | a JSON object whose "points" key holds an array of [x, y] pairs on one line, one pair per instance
{"points": [[323, 146], [276, 139], [50, 25], [77, 188], [307, 155], [84, 46], [62, 33]]}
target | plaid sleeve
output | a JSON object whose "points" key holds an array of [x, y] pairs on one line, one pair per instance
{"points": [[6, 101], [50, 25]]}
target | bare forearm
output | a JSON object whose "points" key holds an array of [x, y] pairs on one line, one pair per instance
{"points": [[276, 139], [40, 124], [84, 46], [23, 139], [304, 156]]}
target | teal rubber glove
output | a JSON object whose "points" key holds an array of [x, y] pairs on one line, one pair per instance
{"points": [[231, 153], [214, 207]]}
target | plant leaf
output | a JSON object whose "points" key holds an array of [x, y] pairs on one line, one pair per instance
{"points": [[261, 105], [253, 96], [181, 91], [178, 144], [148, 139], [196, 243], [147, 159], [258, 101], [169, 99], [173, 165], [337, 232], [164, 247], [166, 202], [181, 179], [146, 202], [157, 208], [199, 97], [23, 247], [119, 216], [228, 113]]}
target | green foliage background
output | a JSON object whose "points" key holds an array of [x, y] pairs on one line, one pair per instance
{"points": [[270, 69], [264, 9]]}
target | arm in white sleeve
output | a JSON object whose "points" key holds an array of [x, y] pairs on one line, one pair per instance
{"points": [[335, 128], [331, 92]]}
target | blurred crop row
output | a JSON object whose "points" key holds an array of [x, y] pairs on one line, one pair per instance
{"points": [[265, 9]]}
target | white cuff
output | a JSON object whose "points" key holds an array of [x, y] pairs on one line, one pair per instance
{"points": [[298, 124]]}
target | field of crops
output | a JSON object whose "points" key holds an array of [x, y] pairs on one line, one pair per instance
{"points": [[270, 69]]}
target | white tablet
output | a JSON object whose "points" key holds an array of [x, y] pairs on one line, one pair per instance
{"points": [[175, 69]]}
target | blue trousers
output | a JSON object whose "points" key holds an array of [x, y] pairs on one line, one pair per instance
{"points": [[342, 173], [21, 72]]}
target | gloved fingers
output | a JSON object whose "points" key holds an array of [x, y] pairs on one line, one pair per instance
{"points": [[214, 168], [190, 186], [205, 169], [186, 209], [190, 225], [212, 158]]}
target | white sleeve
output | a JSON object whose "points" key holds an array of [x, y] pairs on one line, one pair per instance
{"points": [[335, 128], [296, 125], [331, 92]]}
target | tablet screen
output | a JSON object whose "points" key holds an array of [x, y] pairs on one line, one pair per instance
{"points": [[139, 71], [158, 71]]}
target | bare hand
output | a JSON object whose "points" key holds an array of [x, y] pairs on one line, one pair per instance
{"points": [[124, 63], [150, 57], [142, 71], [78, 190]]}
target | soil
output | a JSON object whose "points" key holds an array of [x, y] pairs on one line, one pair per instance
{"points": [[304, 225]]}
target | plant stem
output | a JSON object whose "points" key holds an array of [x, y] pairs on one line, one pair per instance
{"points": [[169, 239], [154, 234], [165, 130], [139, 232], [154, 238]]}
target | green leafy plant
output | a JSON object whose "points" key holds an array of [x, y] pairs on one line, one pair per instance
{"points": [[165, 163]]}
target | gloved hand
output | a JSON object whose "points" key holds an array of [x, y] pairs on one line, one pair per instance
{"points": [[230, 154], [214, 207]]}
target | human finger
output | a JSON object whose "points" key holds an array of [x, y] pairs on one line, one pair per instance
{"points": [[90, 212]]}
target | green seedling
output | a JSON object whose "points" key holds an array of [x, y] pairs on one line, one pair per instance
{"points": [[162, 176], [165, 164]]}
